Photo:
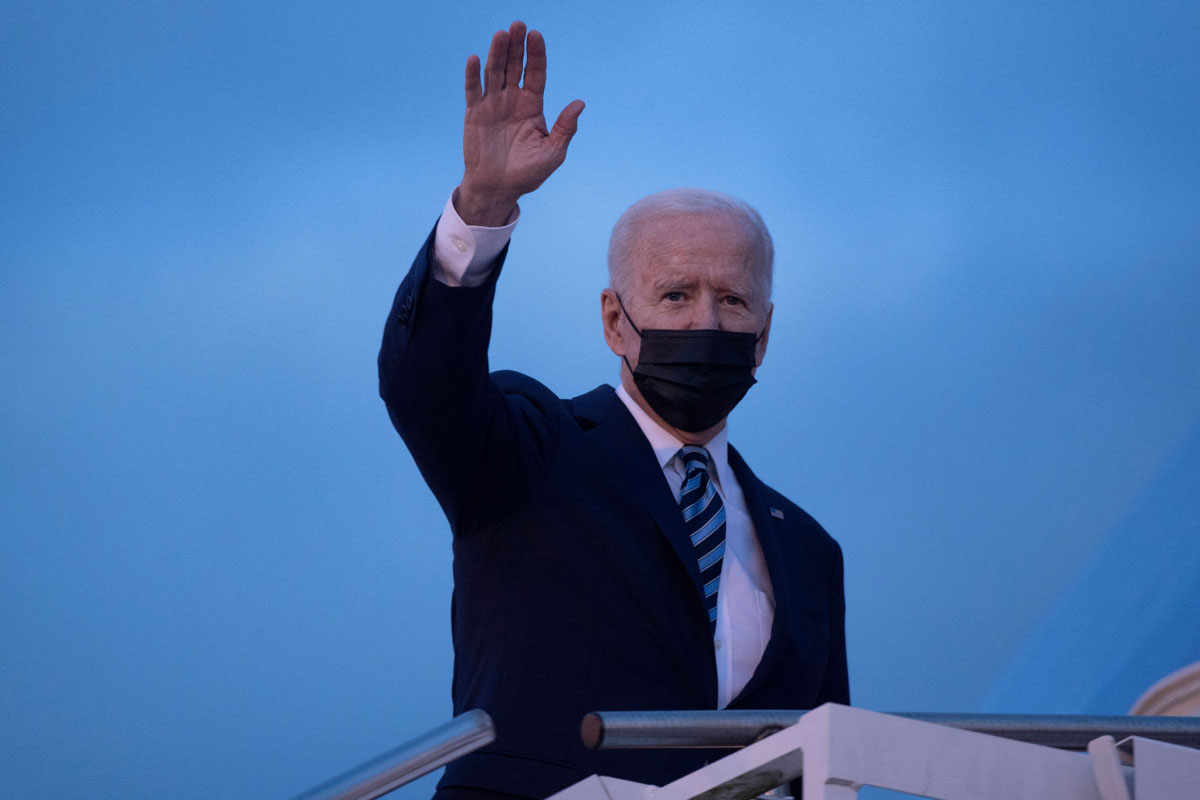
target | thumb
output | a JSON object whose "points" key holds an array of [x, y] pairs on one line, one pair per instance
{"points": [[566, 124]]}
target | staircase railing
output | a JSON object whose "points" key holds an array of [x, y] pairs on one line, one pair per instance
{"points": [[391, 770], [732, 729]]}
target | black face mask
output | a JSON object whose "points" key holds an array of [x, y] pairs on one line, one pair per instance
{"points": [[693, 378]]}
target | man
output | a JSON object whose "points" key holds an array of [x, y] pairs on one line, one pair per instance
{"points": [[611, 551]]}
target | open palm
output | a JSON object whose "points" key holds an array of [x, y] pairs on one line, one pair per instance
{"points": [[507, 148]]}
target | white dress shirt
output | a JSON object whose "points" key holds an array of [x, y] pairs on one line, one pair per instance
{"points": [[745, 602], [463, 256]]}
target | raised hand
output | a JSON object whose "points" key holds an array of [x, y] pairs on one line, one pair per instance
{"points": [[506, 148]]}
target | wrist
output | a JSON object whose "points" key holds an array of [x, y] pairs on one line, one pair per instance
{"points": [[482, 208]]}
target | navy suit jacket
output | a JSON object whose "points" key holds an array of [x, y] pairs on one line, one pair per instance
{"points": [[575, 585]]}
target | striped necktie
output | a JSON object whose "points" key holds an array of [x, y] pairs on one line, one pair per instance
{"points": [[704, 519]]}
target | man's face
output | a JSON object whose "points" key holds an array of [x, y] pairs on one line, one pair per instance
{"points": [[691, 271]]}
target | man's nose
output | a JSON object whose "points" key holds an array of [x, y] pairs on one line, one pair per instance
{"points": [[705, 314]]}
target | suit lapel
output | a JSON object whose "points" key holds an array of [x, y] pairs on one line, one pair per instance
{"points": [[628, 461], [768, 530]]}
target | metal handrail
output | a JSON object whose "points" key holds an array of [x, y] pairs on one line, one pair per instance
{"points": [[463, 734], [731, 729]]}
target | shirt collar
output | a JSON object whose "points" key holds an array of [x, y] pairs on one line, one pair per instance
{"points": [[666, 445]]}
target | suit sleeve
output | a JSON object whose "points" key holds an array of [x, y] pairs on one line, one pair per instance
{"points": [[479, 448]]}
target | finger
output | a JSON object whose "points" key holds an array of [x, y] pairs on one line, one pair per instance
{"points": [[493, 71], [566, 124], [474, 88], [516, 54], [535, 64]]}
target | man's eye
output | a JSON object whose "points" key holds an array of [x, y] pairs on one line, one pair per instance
{"points": [[734, 301], [673, 297]]}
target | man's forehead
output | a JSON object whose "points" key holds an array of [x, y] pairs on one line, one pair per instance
{"points": [[695, 231], [673, 222], [681, 235], [674, 249]]}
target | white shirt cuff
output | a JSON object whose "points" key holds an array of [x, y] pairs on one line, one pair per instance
{"points": [[464, 255]]}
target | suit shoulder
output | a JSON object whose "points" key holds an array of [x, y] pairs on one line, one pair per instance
{"points": [[521, 387], [799, 519], [790, 510], [512, 382], [779, 506], [587, 409]]}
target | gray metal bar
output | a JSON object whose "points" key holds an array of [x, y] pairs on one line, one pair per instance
{"points": [[461, 735], [731, 729]]}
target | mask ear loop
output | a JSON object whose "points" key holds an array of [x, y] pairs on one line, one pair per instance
{"points": [[626, 313], [631, 324]]}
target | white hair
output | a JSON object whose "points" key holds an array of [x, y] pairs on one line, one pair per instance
{"points": [[685, 201]]}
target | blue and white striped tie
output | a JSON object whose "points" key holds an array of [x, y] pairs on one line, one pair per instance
{"points": [[704, 519]]}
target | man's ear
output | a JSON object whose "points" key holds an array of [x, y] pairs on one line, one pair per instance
{"points": [[760, 349], [610, 318]]}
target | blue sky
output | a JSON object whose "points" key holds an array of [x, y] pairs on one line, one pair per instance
{"points": [[222, 575]]}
